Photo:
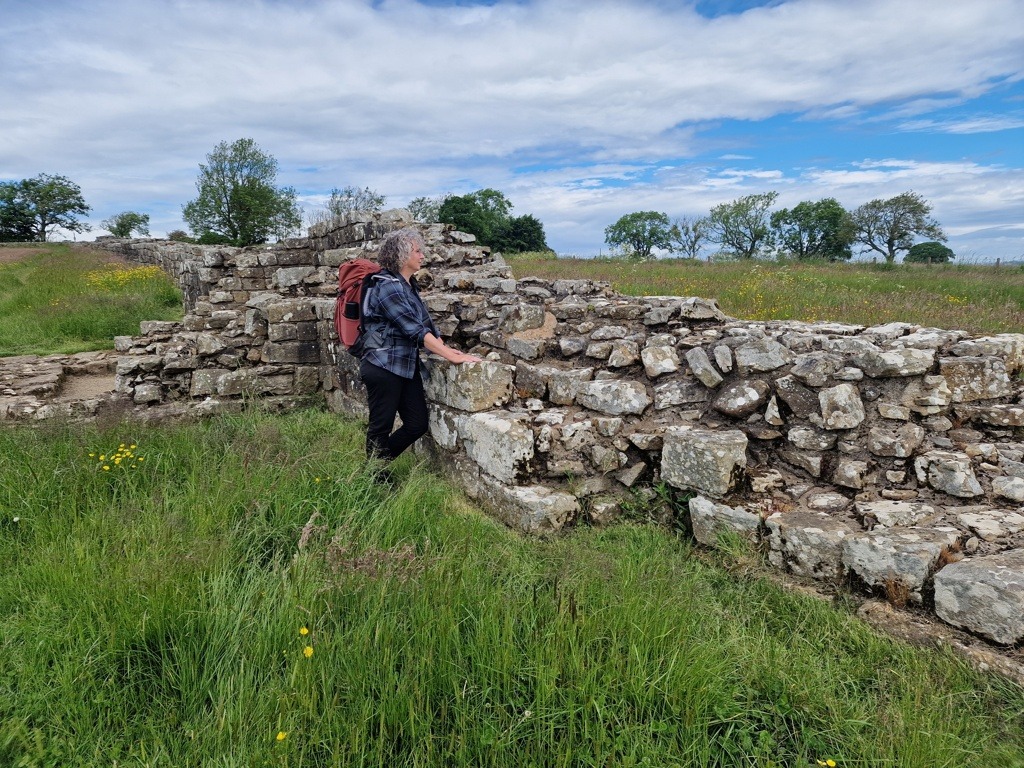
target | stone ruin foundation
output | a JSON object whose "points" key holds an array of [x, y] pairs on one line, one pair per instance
{"points": [[890, 456]]}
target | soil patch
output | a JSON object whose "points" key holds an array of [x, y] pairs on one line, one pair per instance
{"points": [[86, 387], [10, 255]]}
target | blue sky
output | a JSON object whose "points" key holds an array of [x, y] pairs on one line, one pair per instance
{"points": [[578, 111]]}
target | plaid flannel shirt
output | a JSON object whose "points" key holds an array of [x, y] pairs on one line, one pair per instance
{"points": [[394, 308]]}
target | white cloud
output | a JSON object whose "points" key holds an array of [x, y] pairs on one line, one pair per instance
{"points": [[568, 106]]}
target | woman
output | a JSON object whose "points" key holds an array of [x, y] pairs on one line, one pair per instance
{"points": [[395, 325]]}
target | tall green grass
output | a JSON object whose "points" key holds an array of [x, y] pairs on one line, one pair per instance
{"points": [[153, 613], [976, 298], [63, 300]]}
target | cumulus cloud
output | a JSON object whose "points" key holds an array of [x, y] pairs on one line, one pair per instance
{"points": [[579, 110]]}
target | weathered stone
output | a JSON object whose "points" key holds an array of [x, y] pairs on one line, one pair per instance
{"points": [[472, 387], [889, 363], [563, 386], [520, 317], [615, 398], [526, 349], [723, 357], [949, 472], [623, 353], [811, 439], [809, 544], [894, 513], [801, 401], [762, 355], [815, 368], [694, 308], [998, 415], [841, 407], [810, 462], [678, 393], [975, 378], [206, 382], [700, 364], [147, 393], [609, 332], [897, 556], [706, 461], [900, 443], [742, 398], [710, 521], [984, 595], [929, 396], [850, 473], [498, 443], [572, 345], [1009, 347], [659, 360], [1009, 488], [992, 524]]}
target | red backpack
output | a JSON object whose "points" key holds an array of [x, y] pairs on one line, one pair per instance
{"points": [[353, 277]]}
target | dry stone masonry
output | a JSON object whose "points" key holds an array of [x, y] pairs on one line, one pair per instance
{"points": [[892, 456]]}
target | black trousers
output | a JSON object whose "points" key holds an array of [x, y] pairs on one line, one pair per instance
{"points": [[387, 394]]}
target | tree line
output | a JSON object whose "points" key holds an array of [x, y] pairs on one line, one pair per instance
{"points": [[747, 228], [238, 202]]}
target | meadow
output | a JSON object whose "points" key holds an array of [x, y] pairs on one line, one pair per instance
{"points": [[59, 300], [240, 592], [977, 298]]}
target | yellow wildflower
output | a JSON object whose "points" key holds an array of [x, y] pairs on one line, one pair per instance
{"points": [[282, 735], [303, 631], [307, 651], [106, 468]]}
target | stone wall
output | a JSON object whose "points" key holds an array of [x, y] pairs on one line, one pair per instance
{"points": [[890, 456]]}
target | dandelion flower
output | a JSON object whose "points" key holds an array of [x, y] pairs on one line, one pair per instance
{"points": [[307, 651], [282, 735], [303, 631], [106, 468]]}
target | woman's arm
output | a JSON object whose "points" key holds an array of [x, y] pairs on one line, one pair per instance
{"points": [[438, 347]]}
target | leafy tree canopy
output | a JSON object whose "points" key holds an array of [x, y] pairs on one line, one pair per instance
{"points": [[426, 209], [742, 226], [31, 208], [889, 226], [688, 235], [640, 233], [486, 213], [815, 230], [124, 223], [931, 252], [351, 199], [238, 200]]}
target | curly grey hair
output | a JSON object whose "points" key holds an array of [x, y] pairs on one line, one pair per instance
{"points": [[398, 247]]}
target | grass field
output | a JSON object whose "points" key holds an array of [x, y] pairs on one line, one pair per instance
{"points": [[979, 299], [60, 299], [240, 593]]}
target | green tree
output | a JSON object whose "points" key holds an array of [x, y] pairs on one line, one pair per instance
{"points": [[15, 215], [238, 200], [931, 252], [742, 226], [352, 199], [124, 223], [31, 208], [688, 235], [426, 209], [519, 234], [821, 230], [889, 226], [640, 233], [482, 213]]}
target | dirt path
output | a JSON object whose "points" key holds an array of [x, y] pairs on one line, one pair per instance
{"points": [[16, 253]]}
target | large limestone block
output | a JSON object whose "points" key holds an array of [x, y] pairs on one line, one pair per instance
{"points": [[706, 461], [905, 556], [470, 387], [984, 595], [615, 398], [762, 355], [702, 368], [1007, 346], [710, 520], [563, 386], [658, 360], [742, 398], [999, 415], [948, 471], [893, 514], [889, 363], [841, 407], [976, 378], [900, 443], [810, 544], [498, 443]]}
